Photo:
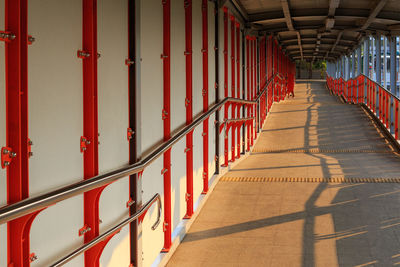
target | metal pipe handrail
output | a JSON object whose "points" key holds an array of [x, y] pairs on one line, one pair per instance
{"points": [[113, 230], [33, 204]]}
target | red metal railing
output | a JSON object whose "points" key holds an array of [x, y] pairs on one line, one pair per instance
{"points": [[362, 90]]}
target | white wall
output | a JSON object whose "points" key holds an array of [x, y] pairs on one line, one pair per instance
{"points": [[151, 98], [3, 174], [113, 118], [211, 87], [55, 123]]}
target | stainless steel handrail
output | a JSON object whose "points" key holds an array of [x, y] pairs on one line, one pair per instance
{"points": [[113, 230], [32, 204]]}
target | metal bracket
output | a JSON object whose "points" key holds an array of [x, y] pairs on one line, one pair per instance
{"points": [[84, 143], [129, 62], [6, 156], [130, 202], [32, 257], [130, 134], [83, 54], [187, 102], [163, 171], [6, 36], [31, 39], [30, 144], [164, 114], [165, 224], [84, 230]]}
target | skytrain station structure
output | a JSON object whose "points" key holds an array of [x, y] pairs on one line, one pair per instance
{"points": [[180, 133]]}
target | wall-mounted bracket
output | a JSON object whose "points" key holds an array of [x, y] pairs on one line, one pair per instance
{"points": [[31, 39], [84, 143], [130, 134], [32, 257], [30, 144], [6, 36], [164, 114], [129, 62], [130, 202], [6, 156], [83, 54], [84, 230]]}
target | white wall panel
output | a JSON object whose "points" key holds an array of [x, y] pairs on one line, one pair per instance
{"points": [[113, 123], [178, 111], [3, 173], [117, 250], [55, 122], [151, 98], [197, 36], [211, 87]]}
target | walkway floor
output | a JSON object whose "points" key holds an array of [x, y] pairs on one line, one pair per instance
{"points": [[249, 221]]}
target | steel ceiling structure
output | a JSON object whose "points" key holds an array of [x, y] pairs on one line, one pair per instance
{"points": [[320, 29]]}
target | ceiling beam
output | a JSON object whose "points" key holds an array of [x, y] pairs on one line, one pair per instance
{"points": [[333, 4], [240, 8], [335, 44], [299, 44], [286, 13], [373, 14], [320, 14]]}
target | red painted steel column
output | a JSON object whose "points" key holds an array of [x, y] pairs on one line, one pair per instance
{"points": [[252, 90], [204, 14], [226, 106], [255, 113], [238, 83], [166, 171], [90, 128], [189, 109], [248, 88], [233, 89], [16, 76]]}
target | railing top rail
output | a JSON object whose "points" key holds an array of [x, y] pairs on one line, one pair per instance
{"points": [[32, 204]]}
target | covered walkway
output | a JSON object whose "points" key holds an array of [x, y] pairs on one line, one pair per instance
{"points": [[318, 189]]}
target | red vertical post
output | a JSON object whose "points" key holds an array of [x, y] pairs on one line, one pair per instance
{"points": [[189, 109], [387, 110], [204, 19], [16, 76], [90, 127], [248, 107], [255, 113], [226, 106], [238, 83], [252, 90], [167, 121], [233, 89]]}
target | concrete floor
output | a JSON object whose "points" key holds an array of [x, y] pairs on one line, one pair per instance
{"points": [[304, 224]]}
